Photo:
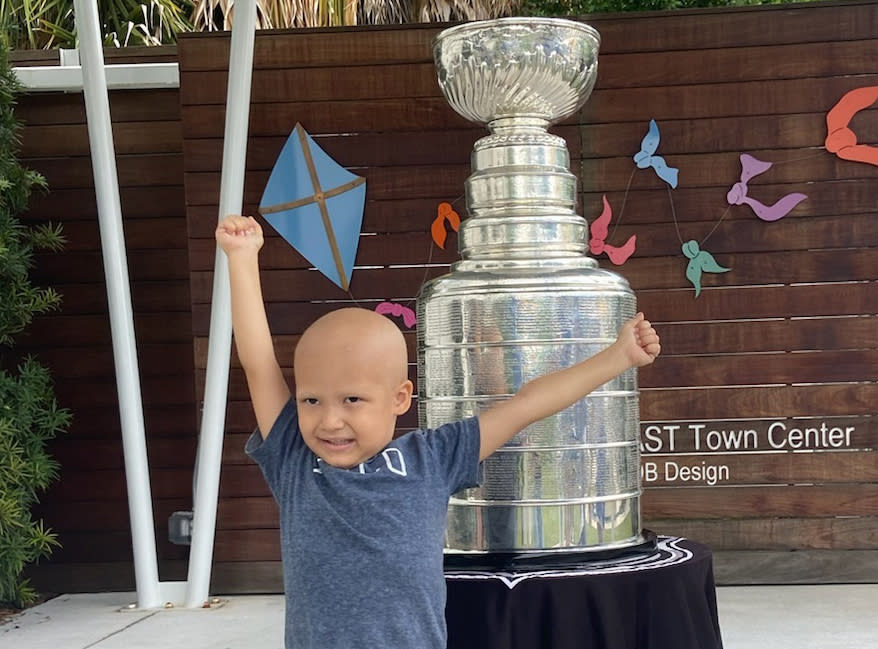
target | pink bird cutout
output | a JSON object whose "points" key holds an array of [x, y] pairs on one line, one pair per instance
{"points": [[389, 308], [750, 168], [599, 229]]}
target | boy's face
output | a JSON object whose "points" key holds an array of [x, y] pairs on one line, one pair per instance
{"points": [[349, 396]]}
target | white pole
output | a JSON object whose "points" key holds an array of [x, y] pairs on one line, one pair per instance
{"points": [[100, 135], [210, 445]]}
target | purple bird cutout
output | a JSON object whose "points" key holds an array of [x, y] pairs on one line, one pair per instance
{"points": [[389, 308], [750, 168], [646, 156]]}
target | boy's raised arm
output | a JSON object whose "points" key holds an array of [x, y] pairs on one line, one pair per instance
{"points": [[636, 345], [241, 239]]}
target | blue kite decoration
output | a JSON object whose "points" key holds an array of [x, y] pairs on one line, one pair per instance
{"points": [[316, 205]]}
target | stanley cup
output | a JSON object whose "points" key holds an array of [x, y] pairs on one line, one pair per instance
{"points": [[524, 299]]}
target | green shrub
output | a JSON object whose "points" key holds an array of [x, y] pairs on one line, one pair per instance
{"points": [[29, 414]]}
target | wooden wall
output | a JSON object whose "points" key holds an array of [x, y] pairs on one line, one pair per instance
{"points": [[786, 339], [88, 506]]}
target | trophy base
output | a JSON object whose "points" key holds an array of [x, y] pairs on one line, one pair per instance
{"points": [[523, 561]]}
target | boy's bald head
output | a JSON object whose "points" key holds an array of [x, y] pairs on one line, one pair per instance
{"points": [[353, 334]]}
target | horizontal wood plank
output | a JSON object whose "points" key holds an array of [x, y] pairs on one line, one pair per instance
{"points": [[769, 61], [79, 204], [128, 138], [153, 360], [756, 567], [733, 134], [314, 47], [713, 100], [143, 265], [399, 272], [760, 369], [343, 82], [711, 503], [744, 303], [154, 104], [94, 329], [777, 534], [755, 402], [101, 391], [706, 204], [369, 149], [158, 233], [92, 423], [399, 115], [739, 303], [132, 170], [854, 332]]}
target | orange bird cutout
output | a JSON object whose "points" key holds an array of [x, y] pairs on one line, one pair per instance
{"points": [[840, 139], [599, 230], [445, 213]]}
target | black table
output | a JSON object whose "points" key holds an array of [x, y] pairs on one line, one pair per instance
{"points": [[663, 599]]}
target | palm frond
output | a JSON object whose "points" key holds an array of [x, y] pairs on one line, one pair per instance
{"points": [[218, 14], [384, 12], [448, 10]]}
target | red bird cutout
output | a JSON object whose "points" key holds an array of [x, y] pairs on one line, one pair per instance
{"points": [[599, 232], [840, 139], [445, 213]]}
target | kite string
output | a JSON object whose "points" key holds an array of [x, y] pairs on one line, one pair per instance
{"points": [[423, 281], [624, 200], [674, 211]]}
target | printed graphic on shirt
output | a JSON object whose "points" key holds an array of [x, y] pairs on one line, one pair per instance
{"points": [[390, 459]]}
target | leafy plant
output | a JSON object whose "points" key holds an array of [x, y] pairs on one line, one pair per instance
{"points": [[46, 24], [29, 413]]}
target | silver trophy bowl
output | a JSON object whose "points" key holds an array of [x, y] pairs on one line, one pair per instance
{"points": [[525, 299], [535, 68]]}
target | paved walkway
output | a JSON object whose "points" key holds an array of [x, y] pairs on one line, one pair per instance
{"points": [[751, 617]]}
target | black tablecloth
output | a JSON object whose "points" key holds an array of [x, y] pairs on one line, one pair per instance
{"points": [[664, 599]]}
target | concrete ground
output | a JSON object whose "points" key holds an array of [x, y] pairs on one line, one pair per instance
{"points": [[751, 617]]}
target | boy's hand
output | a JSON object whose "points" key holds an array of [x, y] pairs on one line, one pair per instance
{"points": [[239, 233], [639, 341]]}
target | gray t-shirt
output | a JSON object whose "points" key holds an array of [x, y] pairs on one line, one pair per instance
{"points": [[362, 547]]}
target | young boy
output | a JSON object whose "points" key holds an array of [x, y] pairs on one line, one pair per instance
{"points": [[362, 515]]}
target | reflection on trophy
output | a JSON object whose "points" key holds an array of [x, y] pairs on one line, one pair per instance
{"points": [[525, 300]]}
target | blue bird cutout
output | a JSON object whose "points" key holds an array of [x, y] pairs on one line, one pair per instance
{"points": [[316, 205], [646, 156], [700, 261]]}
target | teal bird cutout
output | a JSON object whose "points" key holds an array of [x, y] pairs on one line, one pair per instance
{"points": [[700, 261]]}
